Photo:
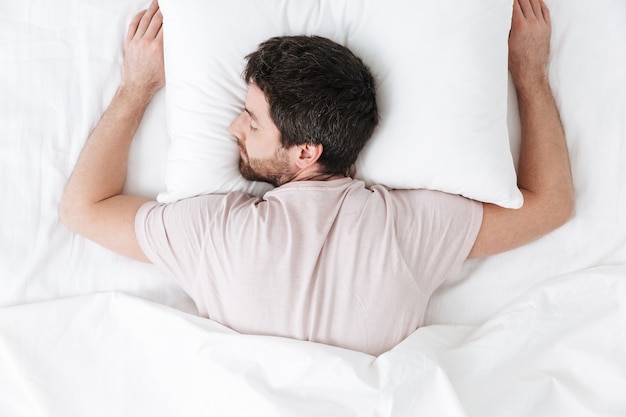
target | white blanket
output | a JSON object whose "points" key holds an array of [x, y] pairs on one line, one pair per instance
{"points": [[559, 350], [536, 331]]}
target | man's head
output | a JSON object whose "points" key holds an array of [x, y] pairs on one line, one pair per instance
{"points": [[317, 93]]}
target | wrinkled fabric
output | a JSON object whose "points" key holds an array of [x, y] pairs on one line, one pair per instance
{"points": [[326, 261]]}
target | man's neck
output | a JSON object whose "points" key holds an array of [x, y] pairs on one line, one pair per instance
{"points": [[319, 177]]}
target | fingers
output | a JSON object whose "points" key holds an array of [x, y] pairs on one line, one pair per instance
{"points": [[134, 24], [536, 9], [155, 25], [517, 9], [159, 35], [531, 9], [546, 13], [147, 18], [146, 23], [525, 7]]}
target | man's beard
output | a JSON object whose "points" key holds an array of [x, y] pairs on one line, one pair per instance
{"points": [[273, 170]]}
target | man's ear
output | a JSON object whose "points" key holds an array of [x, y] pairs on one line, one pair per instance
{"points": [[308, 154]]}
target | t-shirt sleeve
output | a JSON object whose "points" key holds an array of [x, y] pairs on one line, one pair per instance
{"points": [[436, 231], [181, 237], [187, 238], [169, 234]]}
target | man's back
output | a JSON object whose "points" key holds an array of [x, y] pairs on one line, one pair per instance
{"points": [[326, 261]]}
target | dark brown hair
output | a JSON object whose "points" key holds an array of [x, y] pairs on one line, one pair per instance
{"points": [[319, 92]]}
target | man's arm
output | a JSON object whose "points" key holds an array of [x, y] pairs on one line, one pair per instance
{"points": [[92, 204], [544, 175]]}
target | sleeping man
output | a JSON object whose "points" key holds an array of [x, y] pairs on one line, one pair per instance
{"points": [[321, 257]]}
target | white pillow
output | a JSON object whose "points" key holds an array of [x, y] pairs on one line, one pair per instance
{"points": [[442, 76]]}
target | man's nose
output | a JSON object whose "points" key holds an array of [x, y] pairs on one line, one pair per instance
{"points": [[231, 128], [235, 128]]}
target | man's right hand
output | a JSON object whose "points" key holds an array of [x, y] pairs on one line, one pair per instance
{"points": [[143, 72], [93, 204]]}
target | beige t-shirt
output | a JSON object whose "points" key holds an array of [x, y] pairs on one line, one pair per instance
{"points": [[325, 261]]}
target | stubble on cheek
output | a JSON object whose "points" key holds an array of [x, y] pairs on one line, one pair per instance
{"points": [[274, 171]]}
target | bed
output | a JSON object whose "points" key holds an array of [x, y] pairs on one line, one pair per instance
{"points": [[537, 331]]}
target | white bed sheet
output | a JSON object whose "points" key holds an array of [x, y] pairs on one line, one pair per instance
{"points": [[59, 68], [537, 331]]}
